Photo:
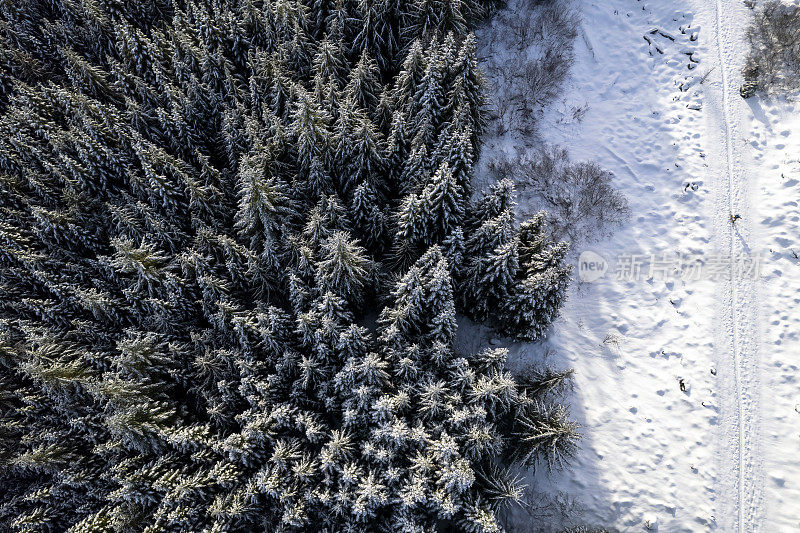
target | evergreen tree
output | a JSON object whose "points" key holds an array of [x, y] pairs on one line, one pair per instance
{"points": [[368, 219], [409, 78], [344, 267], [431, 215], [541, 285], [396, 149], [363, 85], [515, 278], [467, 91]]}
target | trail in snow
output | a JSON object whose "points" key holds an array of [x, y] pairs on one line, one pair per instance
{"points": [[740, 485], [739, 446]]}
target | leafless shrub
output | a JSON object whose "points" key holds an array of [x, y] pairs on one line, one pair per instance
{"points": [[611, 340], [531, 23], [586, 529], [773, 64], [580, 198], [529, 55]]}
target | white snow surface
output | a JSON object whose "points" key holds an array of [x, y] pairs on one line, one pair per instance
{"points": [[666, 118]]}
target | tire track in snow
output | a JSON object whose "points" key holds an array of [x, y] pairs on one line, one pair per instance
{"points": [[740, 295]]}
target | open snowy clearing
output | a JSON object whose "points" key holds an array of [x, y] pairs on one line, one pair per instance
{"points": [[686, 379]]}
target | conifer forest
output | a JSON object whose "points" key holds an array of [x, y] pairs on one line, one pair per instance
{"points": [[237, 239]]}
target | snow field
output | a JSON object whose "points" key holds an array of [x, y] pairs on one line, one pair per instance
{"points": [[686, 388]]}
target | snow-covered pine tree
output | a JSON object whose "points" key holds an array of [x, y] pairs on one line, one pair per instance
{"points": [[344, 267], [362, 84], [515, 278], [541, 284], [410, 76], [491, 261], [429, 99], [396, 152], [467, 91], [428, 217], [330, 63], [369, 221]]}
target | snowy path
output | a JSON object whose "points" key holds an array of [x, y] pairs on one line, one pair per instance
{"points": [[740, 486]]}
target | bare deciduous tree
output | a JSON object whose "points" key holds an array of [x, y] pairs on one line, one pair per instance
{"points": [[773, 64], [528, 57], [580, 198]]}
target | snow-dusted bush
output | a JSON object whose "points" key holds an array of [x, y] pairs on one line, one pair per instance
{"points": [[773, 64], [529, 55], [586, 529], [579, 197]]}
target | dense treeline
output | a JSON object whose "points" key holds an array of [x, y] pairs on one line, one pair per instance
{"points": [[234, 239]]}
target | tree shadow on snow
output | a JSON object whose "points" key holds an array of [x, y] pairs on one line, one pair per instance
{"points": [[562, 496]]}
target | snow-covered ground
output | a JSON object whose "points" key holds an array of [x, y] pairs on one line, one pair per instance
{"points": [[772, 136], [686, 375]]}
